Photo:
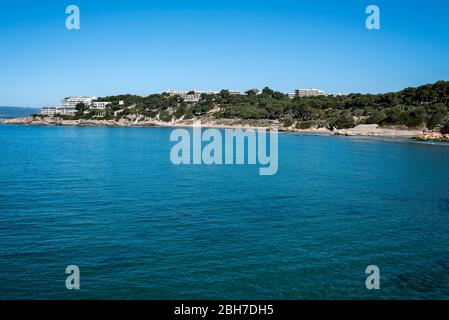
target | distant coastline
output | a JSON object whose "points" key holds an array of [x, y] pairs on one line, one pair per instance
{"points": [[421, 113], [360, 130], [16, 112]]}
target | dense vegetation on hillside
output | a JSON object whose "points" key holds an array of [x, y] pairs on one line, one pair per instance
{"points": [[425, 106]]}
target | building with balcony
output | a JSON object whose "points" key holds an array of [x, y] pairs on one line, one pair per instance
{"points": [[309, 93], [101, 105], [189, 96], [68, 104], [48, 111]]}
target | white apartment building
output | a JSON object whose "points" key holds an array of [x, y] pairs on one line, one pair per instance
{"points": [[101, 105], [189, 96], [193, 96], [68, 105], [48, 110], [309, 93]]}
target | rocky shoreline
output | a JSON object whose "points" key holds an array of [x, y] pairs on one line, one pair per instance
{"points": [[376, 131], [360, 130]]}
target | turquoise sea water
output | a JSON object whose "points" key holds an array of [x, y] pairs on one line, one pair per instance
{"points": [[110, 201]]}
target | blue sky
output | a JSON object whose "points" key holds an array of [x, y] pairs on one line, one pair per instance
{"points": [[142, 47]]}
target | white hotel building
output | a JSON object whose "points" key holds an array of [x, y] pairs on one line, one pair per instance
{"points": [[48, 111], [68, 105], [309, 93], [189, 96], [101, 105]]}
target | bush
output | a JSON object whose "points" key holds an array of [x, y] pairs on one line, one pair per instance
{"points": [[343, 122], [189, 115], [180, 111], [165, 116], [416, 117], [150, 114], [376, 118], [445, 128], [288, 123], [304, 125], [358, 112], [67, 117], [393, 116], [437, 114]]}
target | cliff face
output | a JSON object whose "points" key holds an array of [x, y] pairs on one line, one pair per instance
{"points": [[375, 130], [433, 136]]}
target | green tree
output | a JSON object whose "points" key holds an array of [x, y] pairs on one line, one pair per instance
{"points": [[376, 118], [394, 116], [165, 116], [445, 128], [267, 91], [416, 117], [437, 114], [81, 107], [344, 121], [288, 123], [304, 125]]}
